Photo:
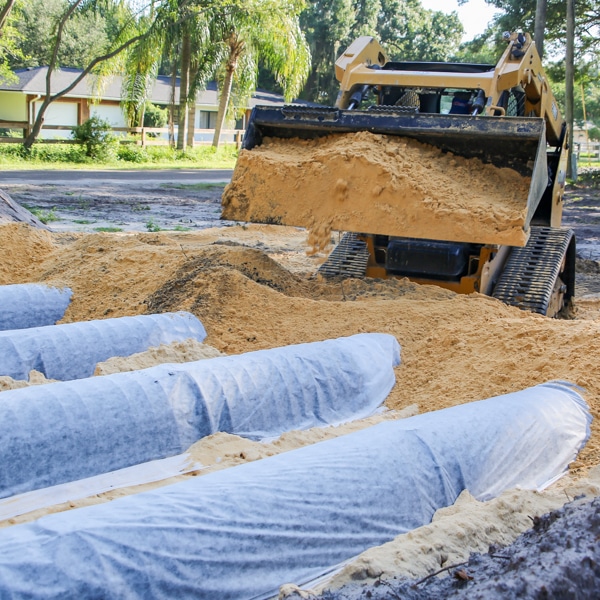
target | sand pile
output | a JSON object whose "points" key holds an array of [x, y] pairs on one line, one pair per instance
{"points": [[455, 348], [380, 184], [177, 352]]}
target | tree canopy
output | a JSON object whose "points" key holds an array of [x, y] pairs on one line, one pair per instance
{"points": [[288, 42], [10, 39], [85, 35], [404, 28]]}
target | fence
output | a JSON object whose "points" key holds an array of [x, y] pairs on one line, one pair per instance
{"points": [[143, 136], [588, 151]]}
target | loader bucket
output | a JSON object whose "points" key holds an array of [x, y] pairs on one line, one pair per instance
{"points": [[508, 155]]}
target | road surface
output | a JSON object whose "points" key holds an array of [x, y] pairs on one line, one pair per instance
{"points": [[124, 177]]}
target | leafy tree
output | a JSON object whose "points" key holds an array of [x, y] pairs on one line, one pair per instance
{"points": [[154, 116], [327, 25], [366, 17], [519, 15], [410, 32], [9, 40], [479, 50], [84, 35], [5, 13], [129, 34], [404, 28], [267, 30]]}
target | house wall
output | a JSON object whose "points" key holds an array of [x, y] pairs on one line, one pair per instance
{"points": [[13, 106], [58, 113], [109, 111], [206, 119]]}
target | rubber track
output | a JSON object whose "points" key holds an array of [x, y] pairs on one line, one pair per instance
{"points": [[530, 272], [348, 259]]}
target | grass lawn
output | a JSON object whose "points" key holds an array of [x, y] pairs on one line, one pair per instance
{"points": [[123, 157]]}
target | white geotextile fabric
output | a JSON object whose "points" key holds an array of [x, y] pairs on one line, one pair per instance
{"points": [[32, 305], [155, 470], [72, 350], [69, 430], [242, 532]]}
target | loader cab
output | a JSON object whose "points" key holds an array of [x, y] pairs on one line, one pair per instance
{"points": [[430, 100], [433, 99]]}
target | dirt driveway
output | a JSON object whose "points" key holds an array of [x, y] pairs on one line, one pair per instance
{"points": [[130, 205], [155, 202]]}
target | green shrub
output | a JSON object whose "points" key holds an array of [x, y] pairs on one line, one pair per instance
{"points": [[155, 116], [96, 136], [152, 226], [67, 153], [588, 177], [132, 153], [45, 216]]}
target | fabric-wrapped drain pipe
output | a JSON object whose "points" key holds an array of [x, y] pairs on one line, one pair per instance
{"points": [[242, 532], [66, 431], [27, 305], [72, 350]]}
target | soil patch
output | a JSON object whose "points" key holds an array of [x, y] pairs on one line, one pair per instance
{"points": [[253, 286], [130, 206]]}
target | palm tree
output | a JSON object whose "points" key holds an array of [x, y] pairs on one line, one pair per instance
{"points": [[262, 31], [184, 42], [222, 37]]}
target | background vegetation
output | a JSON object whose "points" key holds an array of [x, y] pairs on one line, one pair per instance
{"points": [[286, 46]]}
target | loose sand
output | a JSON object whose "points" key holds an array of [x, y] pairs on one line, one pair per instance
{"points": [[380, 184], [455, 348]]}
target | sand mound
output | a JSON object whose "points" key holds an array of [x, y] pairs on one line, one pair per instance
{"points": [[377, 184], [23, 248], [454, 348], [177, 352]]}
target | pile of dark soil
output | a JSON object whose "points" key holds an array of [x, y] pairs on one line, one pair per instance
{"points": [[558, 558]]}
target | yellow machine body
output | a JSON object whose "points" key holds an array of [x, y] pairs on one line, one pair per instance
{"points": [[507, 116]]}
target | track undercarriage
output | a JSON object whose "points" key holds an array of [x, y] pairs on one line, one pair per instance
{"points": [[539, 277]]}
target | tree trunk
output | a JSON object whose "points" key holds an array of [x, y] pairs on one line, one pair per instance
{"points": [[37, 124], [540, 25], [191, 126], [184, 83], [5, 13], [569, 81], [224, 101], [172, 106]]}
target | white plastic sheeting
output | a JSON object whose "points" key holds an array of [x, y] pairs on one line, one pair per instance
{"points": [[72, 350], [65, 431], [148, 472], [32, 305], [242, 532]]}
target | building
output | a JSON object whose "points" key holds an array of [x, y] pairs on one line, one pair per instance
{"points": [[21, 101]]}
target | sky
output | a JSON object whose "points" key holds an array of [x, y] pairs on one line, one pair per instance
{"points": [[475, 14]]}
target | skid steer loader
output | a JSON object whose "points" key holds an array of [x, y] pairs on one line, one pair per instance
{"points": [[502, 117]]}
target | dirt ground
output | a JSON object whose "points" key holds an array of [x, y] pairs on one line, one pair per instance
{"points": [[130, 206], [184, 207], [254, 287]]}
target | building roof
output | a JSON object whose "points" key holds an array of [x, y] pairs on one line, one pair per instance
{"points": [[33, 81]]}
